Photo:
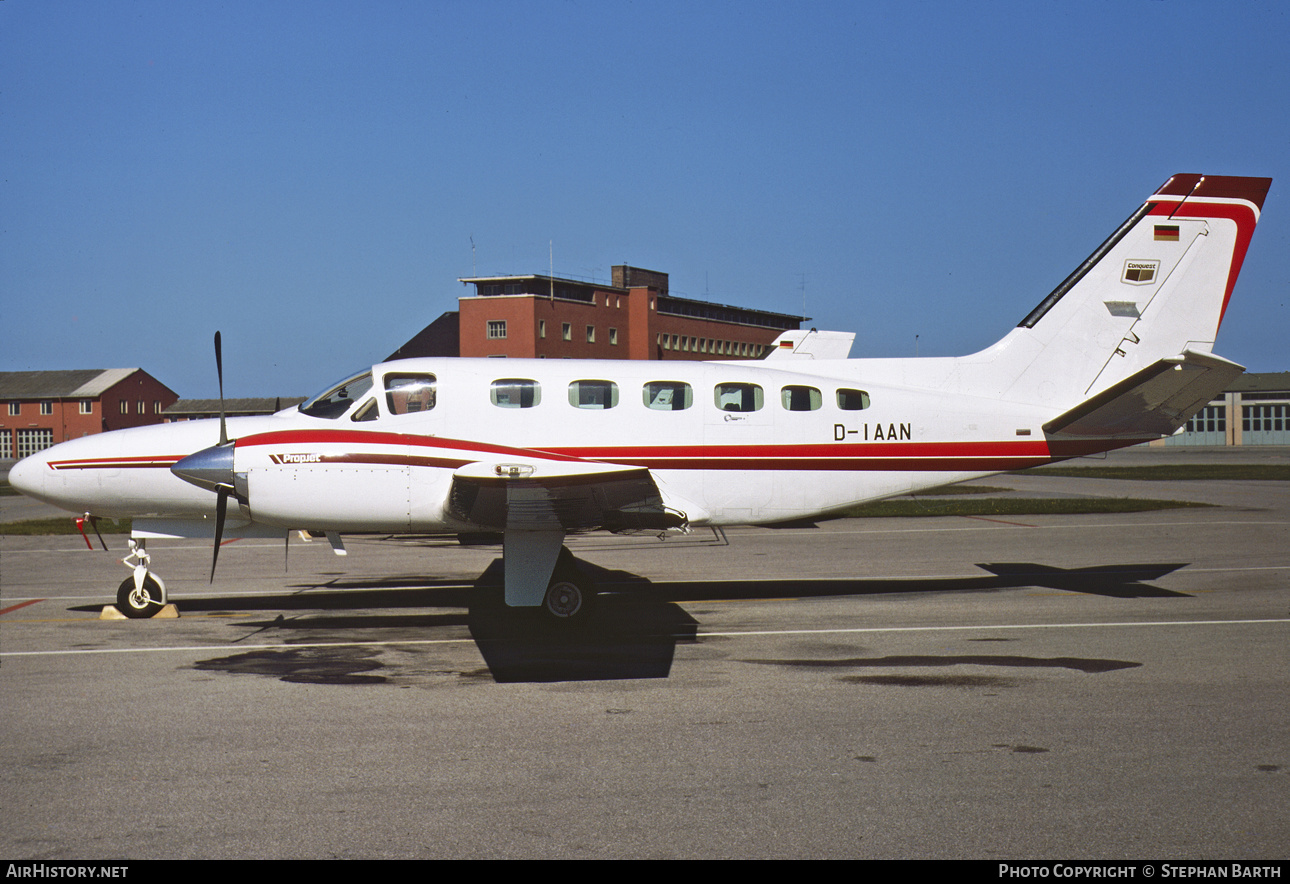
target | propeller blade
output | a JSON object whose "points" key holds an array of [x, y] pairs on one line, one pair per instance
{"points": [[221, 508], [219, 371]]}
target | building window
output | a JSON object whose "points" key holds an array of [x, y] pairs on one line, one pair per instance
{"points": [[138, 407], [613, 337], [31, 441], [15, 409], [516, 393], [87, 406], [541, 328], [46, 407], [566, 331], [496, 329], [125, 407], [591, 334], [593, 394], [156, 406]]}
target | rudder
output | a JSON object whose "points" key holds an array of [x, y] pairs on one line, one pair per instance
{"points": [[1158, 287]]}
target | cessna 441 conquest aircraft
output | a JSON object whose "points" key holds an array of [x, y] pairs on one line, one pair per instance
{"points": [[534, 450]]}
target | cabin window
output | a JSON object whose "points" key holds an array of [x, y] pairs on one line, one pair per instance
{"points": [[668, 395], [409, 393], [853, 400], [738, 397], [593, 394], [799, 398], [516, 393], [338, 399], [367, 411]]}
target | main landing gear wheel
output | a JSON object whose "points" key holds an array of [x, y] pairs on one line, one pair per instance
{"points": [[142, 602], [571, 594]]}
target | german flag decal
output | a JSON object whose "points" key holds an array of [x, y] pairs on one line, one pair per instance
{"points": [[1166, 233]]}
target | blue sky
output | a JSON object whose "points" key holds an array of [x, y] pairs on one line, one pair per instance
{"points": [[308, 177]]}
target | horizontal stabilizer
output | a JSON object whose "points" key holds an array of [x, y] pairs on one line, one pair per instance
{"points": [[811, 344], [1154, 401]]}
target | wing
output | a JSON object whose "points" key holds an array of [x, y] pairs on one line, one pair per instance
{"points": [[569, 496]]}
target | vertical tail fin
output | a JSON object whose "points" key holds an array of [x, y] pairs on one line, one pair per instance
{"points": [[1158, 287]]}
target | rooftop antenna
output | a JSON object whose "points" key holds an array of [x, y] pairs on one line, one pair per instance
{"points": [[803, 275], [551, 246], [474, 268]]}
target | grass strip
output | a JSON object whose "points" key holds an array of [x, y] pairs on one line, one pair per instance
{"points": [[1056, 506], [62, 525], [1172, 472]]}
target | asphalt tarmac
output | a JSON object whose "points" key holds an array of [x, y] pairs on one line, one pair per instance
{"points": [[1095, 686]]}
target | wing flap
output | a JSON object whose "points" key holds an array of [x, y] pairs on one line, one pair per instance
{"points": [[1154, 401]]}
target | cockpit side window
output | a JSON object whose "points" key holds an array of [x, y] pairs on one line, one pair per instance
{"points": [[339, 398], [367, 411], [409, 393]]}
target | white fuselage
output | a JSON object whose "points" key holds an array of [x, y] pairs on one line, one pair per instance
{"points": [[799, 454]]}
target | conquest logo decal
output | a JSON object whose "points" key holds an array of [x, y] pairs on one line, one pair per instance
{"points": [[295, 458], [1138, 272]]}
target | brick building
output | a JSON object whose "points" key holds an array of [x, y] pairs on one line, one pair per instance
{"points": [[201, 409], [41, 408], [632, 317]]}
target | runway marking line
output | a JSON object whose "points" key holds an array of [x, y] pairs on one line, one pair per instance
{"points": [[4, 611], [751, 633], [999, 521]]}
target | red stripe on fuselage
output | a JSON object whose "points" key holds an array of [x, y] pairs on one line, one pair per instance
{"points": [[117, 463], [901, 456]]}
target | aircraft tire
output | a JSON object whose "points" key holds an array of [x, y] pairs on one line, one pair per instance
{"points": [[141, 604], [570, 596]]}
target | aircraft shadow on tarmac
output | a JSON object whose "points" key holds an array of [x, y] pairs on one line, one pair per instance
{"points": [[636, 624]]}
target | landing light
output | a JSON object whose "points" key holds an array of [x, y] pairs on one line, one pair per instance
{"points": [[513, 470]]}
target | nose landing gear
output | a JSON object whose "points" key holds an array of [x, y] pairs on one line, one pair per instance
{"points": [[142, 594]]}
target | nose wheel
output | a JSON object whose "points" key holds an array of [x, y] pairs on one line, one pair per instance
{"points": [[139, 602], [143, 593]]}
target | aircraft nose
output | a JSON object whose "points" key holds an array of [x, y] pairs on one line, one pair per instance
{"points": [[28, 474]]}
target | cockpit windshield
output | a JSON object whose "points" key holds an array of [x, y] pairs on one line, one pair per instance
{"points": [[338, 398]]}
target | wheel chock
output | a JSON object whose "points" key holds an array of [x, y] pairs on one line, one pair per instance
{"points": [[167, 612]]}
